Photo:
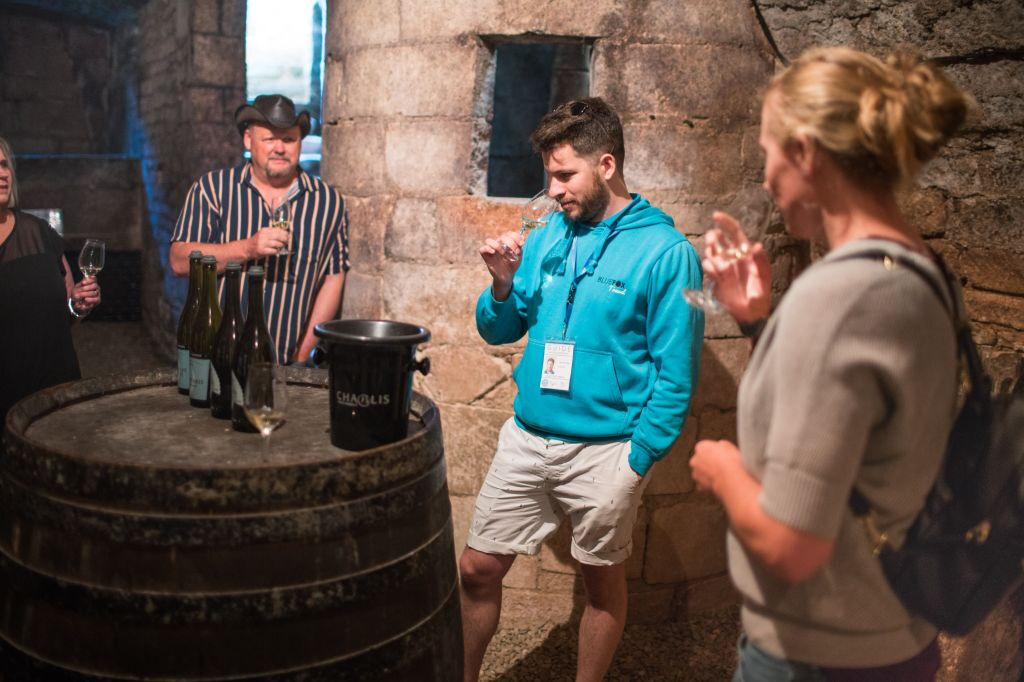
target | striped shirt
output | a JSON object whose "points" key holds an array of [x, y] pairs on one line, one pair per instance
{"points": [[224, 206]]}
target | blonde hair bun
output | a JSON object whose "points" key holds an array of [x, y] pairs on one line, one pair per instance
{"points": [[881, 120]]}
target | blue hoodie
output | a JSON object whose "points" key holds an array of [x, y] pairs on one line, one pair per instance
{"points": [[637, 341]]}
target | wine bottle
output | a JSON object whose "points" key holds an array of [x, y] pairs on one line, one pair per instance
{"points": [[224, 345], [253, 346], [195, 276], [204, 330]]}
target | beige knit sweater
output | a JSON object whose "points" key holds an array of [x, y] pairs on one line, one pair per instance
{"points": [[852, 383]]}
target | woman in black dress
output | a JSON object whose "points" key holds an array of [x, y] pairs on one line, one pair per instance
{"points": [[38, 299]]}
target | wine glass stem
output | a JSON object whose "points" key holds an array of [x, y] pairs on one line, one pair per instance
{"points": [[266, 445]]}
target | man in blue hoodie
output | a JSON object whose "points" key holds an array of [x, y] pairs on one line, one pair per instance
{"points": [[604, 384]]}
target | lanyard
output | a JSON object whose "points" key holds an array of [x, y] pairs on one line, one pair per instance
{"points": [[590, 265], [576, 279]]}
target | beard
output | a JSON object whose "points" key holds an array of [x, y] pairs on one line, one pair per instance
{"points": [[592, 204], [274, 170]]}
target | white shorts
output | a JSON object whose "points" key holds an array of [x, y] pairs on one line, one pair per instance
{"points": [[534, 482]]}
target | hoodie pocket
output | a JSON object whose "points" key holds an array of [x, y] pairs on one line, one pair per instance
{"points": [[593, 406]]}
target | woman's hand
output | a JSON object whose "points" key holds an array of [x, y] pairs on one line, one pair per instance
{"points": [[713, 462], [788, 553], [742, 285], [85, 295]]}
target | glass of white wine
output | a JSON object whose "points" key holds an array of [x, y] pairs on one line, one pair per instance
{"points": [[266, 399], [752, 208], [90, 258], [281, 218], [535, 214]]}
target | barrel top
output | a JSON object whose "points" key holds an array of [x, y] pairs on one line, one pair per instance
{"points": [[154, 426], [136, 440]]}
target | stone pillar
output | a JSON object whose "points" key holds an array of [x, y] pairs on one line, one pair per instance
{"points": [[191, 78], [408, 98]]}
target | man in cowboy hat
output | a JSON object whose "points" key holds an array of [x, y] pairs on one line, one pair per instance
{"points": [[227, 215]]}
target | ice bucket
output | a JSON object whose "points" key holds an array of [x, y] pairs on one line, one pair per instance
{"points": [[370, 372]]}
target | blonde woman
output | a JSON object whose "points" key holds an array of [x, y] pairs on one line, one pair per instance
{"points": [[852, 380]]}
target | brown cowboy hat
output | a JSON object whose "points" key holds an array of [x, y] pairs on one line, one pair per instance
{"points": [[273, 110]]}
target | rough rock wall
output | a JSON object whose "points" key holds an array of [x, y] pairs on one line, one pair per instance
{"points": [[408, 99], [970, 201]]}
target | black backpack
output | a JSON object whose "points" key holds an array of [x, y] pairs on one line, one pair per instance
{"points": [[963, 554]]}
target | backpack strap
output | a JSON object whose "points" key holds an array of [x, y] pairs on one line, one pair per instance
{"points": [[980, 382]]}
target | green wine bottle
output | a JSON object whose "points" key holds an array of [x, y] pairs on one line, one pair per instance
{"points": [[224, 345], [253, 346], [188, 311], [204, 331]]}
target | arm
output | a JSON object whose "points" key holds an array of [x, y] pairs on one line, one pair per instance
{"points": [[240, 250], [500, 310], [328, 297], [197, 227], [787, 504], [325, 307], [675, 334], [789, 554]]}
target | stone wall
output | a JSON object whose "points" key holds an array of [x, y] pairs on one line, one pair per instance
{"points": [[55, 79], [100, 198], [408, 100], [191, 61]]}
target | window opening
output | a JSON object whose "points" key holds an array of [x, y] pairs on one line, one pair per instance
{"points": [[529, 80]]}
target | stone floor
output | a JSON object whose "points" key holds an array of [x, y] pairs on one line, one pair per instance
{"points": [[699, 650]]}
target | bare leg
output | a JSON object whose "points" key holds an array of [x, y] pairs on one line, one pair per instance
{"points": [[480, 579], [603, 620]]}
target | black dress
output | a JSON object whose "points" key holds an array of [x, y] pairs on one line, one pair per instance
{"points": [[36, 350]]}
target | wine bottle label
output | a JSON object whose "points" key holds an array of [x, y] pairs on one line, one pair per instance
{"points": [[199, 377], [214, 382], [237, 398], [183, 362]]}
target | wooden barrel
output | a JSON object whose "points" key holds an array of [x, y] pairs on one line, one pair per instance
{"points": [[142, 539]]}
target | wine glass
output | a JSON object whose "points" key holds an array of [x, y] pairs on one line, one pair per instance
{"points": [[266, 398], [281, 218], [90, 258], [752, 208], [535, 214]]}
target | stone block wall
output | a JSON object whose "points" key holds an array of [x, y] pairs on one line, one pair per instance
{"points": [[55, 80], [100, 198], [408, 103], [191, 64]]}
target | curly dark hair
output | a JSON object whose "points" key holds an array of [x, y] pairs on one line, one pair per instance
{"points": [[589, 125]]}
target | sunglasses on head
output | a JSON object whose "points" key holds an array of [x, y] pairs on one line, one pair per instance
{"points": [[579, 108]]}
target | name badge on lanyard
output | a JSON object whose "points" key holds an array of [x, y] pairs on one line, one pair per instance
{"points": [[557, 368]]}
